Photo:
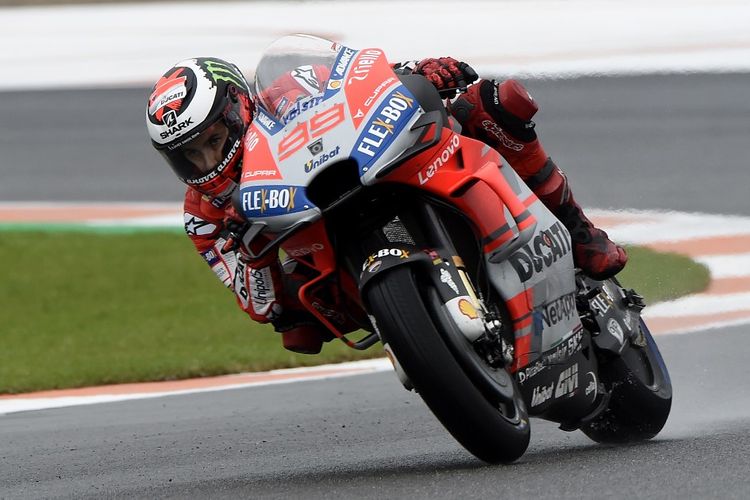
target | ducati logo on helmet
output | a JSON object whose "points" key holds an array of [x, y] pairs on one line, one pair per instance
{"points": [[168, 92]]}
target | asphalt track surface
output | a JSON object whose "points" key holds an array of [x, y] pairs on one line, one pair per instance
{"points": [[640, 142], [666, 142]]}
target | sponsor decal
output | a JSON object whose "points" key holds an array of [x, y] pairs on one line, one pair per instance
{"points": [[316, 162], [195, 226], [281, 105], [170, 120], [602, 302], [616, 330], [220, 199], [467, 309], [561, 353], [377, 91], [220, 72], [446, 278], [220, 168], [340, 67], [334, 84], [385, 252], [561, 309], [564, 350], [210, 257], [172, 95], [168, 92], [222, 272], [261, 289], [542, 394], [363, 64], [266, 121], [494, 129], [302, 251], [272, 200], [239, 285], [426, 174], [568, 382], [530, 371], [386, 122], [547, 248], [305, 77], [303, 133], [261, 175], [591, 387], [316, 147], [300, 107]]}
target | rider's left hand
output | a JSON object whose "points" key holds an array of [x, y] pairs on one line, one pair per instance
{"points": [[447, 74]]}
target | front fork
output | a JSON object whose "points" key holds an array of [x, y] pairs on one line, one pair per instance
{"points": [[440, 263]]}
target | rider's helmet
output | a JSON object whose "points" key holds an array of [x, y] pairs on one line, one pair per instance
{"points": [[201, 103]]}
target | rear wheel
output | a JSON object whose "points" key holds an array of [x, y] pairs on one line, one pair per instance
{"points": [[641, 394], [491, 424]]}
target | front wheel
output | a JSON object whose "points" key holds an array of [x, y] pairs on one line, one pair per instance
{"points": [[641, 394], [406, 313]]}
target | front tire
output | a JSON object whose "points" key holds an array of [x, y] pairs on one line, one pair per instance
{"points": [[641, 394], [492, 431]]}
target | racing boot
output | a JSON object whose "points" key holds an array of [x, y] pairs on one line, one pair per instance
{"points": [[300, 330], [593, 252]]}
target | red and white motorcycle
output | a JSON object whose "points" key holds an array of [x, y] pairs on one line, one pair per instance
{"points": [[466, 278]]}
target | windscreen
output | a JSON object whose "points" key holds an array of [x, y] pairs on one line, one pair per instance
{"points": [[293, 68]]}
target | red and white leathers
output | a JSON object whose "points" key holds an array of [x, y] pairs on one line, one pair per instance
{"points": [[257, 286]]}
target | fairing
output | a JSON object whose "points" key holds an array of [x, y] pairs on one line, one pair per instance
{"points": [[364, 114]]}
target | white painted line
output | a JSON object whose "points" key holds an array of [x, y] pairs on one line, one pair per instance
{"points": [[678, 226], [14, 405], [727, 266], [700, 304]]}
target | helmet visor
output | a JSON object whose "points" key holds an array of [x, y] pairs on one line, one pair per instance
{"points": [[204, 157]]}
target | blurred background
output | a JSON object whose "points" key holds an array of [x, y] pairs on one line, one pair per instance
{"points": [[640, 102]]}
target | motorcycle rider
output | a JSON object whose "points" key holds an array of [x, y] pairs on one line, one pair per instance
{"points": [[199, 110]]}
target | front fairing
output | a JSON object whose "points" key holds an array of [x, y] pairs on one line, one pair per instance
{"points": [[362, 113]]}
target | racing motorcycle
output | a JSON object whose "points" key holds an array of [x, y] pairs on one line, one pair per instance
{"points": [[443, 254]]}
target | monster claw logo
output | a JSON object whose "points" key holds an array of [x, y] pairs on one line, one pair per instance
{"points": [[220, 71], [168, 92]]}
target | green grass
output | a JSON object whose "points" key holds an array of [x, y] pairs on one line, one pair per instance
{"points": [[81, 309], [662, 276]]}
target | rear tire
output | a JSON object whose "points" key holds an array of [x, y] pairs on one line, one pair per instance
{"points": [[641, 395], [494, 432]]}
